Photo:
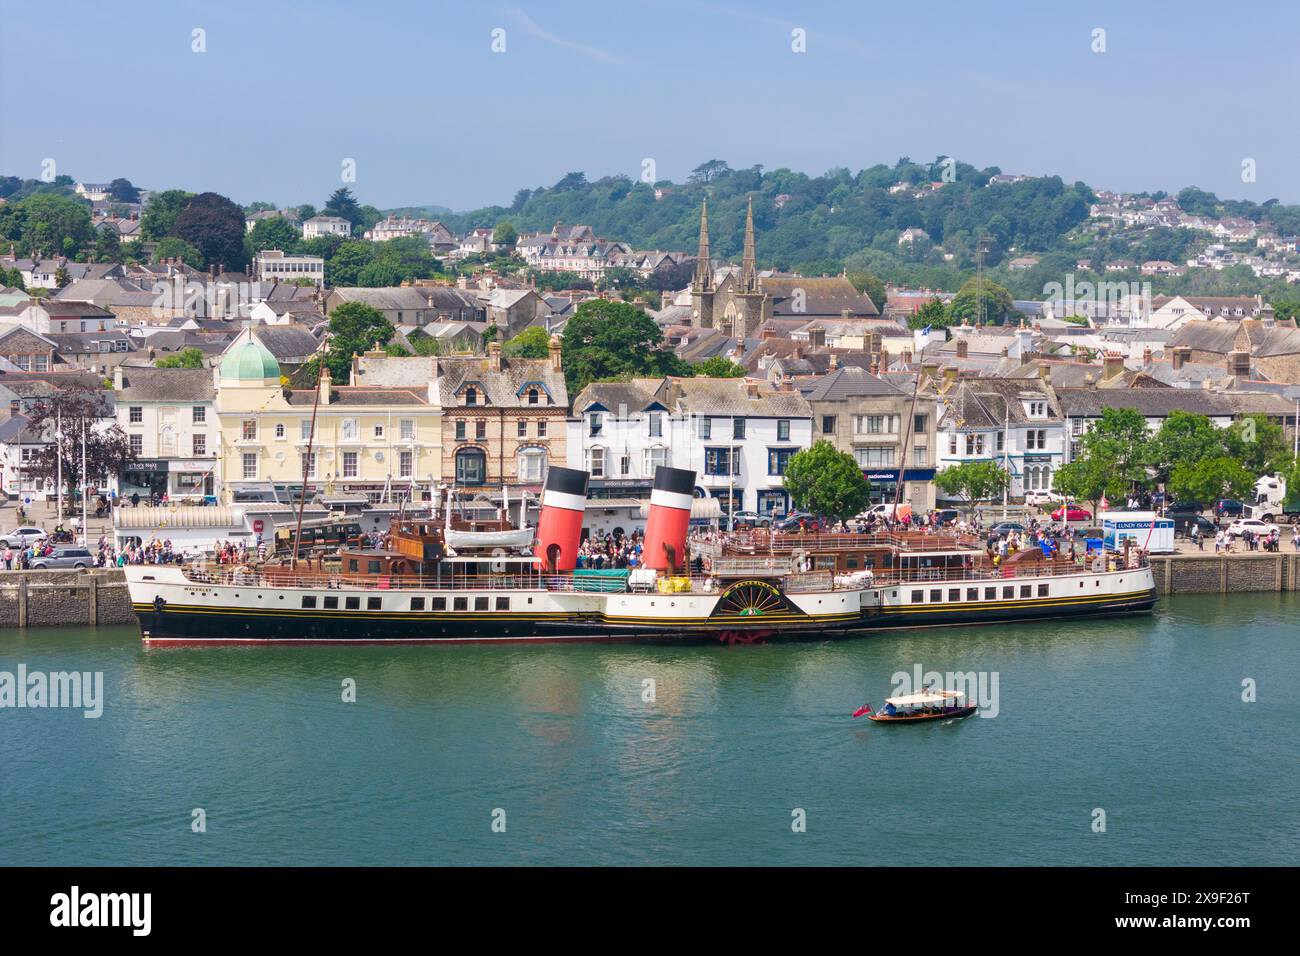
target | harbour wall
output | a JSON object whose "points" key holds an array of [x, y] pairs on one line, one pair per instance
{"points": [[91, 598], [64, 598]]}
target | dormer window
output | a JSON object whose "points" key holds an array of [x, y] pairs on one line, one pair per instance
{"points": [[471, 396], [533, 396], [1036, 409]]}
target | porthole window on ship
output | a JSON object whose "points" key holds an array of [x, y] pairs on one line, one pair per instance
{"points": [[352, 603], [1008, 593], [373, 603], [918, 596], [331, 604], [439, 604], [936, 595], [460, 604], [1042, 590], [503, 604], [954, 594], [417, 604], [480, 604], [309, 600], [990, 594], [1026, 591], [972, 594]]}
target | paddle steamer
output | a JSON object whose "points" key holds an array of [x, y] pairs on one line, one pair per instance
{"points": [[435, 583]]}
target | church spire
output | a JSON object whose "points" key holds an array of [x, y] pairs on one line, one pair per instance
{"points": [[703, 266], [748, 267]]}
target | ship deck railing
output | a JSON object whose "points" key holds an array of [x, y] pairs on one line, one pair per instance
{"points": [[760, 541], [247, 577], [887, 577]]}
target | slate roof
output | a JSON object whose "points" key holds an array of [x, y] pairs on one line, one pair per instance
{"points": [[729, 397], [635, 395], [846, 383], [1159, 402], [992, 403], [822, 296], [166, 385], [498, 389], [361, 395], [286, 341]]}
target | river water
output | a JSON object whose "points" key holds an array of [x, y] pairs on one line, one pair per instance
{"points": [[745, 755]]}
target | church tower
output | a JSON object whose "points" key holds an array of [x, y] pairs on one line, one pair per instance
{"points": [[749, 296], [702, 287]]}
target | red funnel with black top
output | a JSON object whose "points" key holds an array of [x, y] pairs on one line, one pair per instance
{"points": [[669, 519], [559, 531]]}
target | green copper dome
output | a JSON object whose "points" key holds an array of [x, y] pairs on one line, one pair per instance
{"points": [[249, 362]]}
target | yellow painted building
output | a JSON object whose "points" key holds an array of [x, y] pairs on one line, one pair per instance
{"points": [[369, 440]]}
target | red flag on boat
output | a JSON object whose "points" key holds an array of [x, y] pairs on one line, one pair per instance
{"points": [[864, 709]]}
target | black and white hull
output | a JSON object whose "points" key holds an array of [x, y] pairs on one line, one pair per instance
{"points": [[175, 608]]}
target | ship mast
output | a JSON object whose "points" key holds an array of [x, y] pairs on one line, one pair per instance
{"points": [[306, 460]]}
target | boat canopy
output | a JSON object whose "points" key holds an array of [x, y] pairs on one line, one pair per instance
{"points": [[925, 697]]}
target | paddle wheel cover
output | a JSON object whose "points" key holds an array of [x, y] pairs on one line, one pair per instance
{"points": [[752, 601]]}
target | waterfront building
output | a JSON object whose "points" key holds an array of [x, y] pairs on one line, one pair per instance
{"points": [[169, 417], [737, 435], [503, 419], [1016, 423], [875, 421], [374, 441]]}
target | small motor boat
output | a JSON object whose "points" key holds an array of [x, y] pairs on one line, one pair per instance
{"points": [[927, 705]]}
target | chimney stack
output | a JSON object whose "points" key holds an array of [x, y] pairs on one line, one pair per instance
{"points": [[1181, 354], [557, 360], [1146, 356], [494, 356], [963, 348], [1113, 365], [1239, 364]]}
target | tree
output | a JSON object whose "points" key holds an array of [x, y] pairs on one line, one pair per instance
{"points": [[607, 339], [54, 225], [185, 358], [505, 235], [571, 182], [161, 211], [1185, 438], [108, 245], [532, 343], [354, 328], [173, 248], [1260, 445], [108, 450], [215, 226], [706, 173], [344, 205], [273, 233], [933, 314], [981, 298], [1210, 479], [973, 481], [123, 191], [871, 286], [1113, 459], [718, 366], [826, 482]]}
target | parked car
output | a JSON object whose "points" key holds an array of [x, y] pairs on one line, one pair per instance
{"points": [[1006, 527], [22, 537], [64, 558], [792, 521], [1184, 523], [1253, 525], [1071, 513], [1041, 498], [1229, 508], [1184, 507], [750, 519], [947, 516]]}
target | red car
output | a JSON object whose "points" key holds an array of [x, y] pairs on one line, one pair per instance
{"points": [[1071, 513]]}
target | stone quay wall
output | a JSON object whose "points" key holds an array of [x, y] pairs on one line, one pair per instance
{"points": [[64, 598]]}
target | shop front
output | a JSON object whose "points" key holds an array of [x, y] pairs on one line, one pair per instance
{"points": [[918, 486], [146, 477]]}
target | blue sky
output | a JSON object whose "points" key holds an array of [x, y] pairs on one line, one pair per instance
{"points": [[412, 91]]}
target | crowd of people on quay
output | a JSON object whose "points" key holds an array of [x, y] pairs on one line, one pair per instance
{"points": [[612, 551]]}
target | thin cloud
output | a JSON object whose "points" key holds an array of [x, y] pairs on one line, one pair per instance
{"points": [[830, 41], [531, 27]]}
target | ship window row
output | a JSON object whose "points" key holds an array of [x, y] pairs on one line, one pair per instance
{"points": [[954, 595], [481, 603]]}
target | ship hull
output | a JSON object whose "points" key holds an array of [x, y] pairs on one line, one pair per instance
{"points": [[173, 610]]}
